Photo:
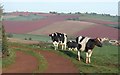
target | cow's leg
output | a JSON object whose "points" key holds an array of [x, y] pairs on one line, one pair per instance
{"points": [[65, 46], [78, 55], [87, 57], [55, 45], [62, 46], [90, 53]]}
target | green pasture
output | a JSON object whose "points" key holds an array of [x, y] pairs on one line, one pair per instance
{"points": [[98, 17], [25, 18], [43, 38]]}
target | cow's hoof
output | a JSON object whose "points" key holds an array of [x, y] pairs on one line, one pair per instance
{"points": [[78, 59], [87, 62]]}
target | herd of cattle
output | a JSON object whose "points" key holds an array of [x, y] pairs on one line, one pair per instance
{"points": [[82, 43]]}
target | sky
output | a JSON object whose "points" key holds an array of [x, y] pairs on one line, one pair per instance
{"points": [[97, 6]]}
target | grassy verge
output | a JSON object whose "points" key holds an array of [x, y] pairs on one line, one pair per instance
{"points": [[43, 38], [9, 60]]}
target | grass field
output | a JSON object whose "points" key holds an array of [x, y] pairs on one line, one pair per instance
{"points": [[99, 17], [33, 37], [24, 18]]}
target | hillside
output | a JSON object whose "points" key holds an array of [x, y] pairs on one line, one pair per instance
{"points": [[92, 25]]}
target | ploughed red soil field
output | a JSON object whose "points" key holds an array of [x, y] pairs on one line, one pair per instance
{"points": [[68, 27], [28, 26], [100, 31]]}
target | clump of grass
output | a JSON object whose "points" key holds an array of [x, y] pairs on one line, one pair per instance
{"points": [[9, 59]]}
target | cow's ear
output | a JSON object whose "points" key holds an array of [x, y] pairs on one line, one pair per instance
{"points": [[50, 34], [98, 39]]}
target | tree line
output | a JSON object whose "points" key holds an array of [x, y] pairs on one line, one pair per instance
{"points": [[5, 51]]}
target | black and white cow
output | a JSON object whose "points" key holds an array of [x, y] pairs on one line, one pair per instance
{"points": [[55, 39], [59, 39], [87, 44], [72, 45]]}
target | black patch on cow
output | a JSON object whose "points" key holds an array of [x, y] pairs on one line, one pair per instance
{"points": [[79, 46], [54, 37], [90, 45], [61, 37], [72, 44], [77, 39]]}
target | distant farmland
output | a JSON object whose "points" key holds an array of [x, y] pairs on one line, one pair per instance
{"points": [[68, 27], [72, 24], [28, 26]]}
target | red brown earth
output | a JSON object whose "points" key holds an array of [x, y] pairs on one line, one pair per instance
{"points": [[68, 27], [100, 31], [58, 64], [24, 63]]}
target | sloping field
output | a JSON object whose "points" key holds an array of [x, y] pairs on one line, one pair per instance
{"points": [[100, 31], [100, 21], [68, 27], [28, 26], [19, 13], [9, 16]]}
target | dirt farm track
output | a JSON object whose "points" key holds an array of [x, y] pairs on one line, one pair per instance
{"points": [[25, 63]]}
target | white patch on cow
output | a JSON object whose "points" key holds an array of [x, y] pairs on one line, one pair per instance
{"points": [[99, 39], [83, 43], [52, 34], [79, 38], [65, 42]]}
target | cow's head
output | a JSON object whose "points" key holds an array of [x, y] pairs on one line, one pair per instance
{"points": [[98, 42], [51, 35]]}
